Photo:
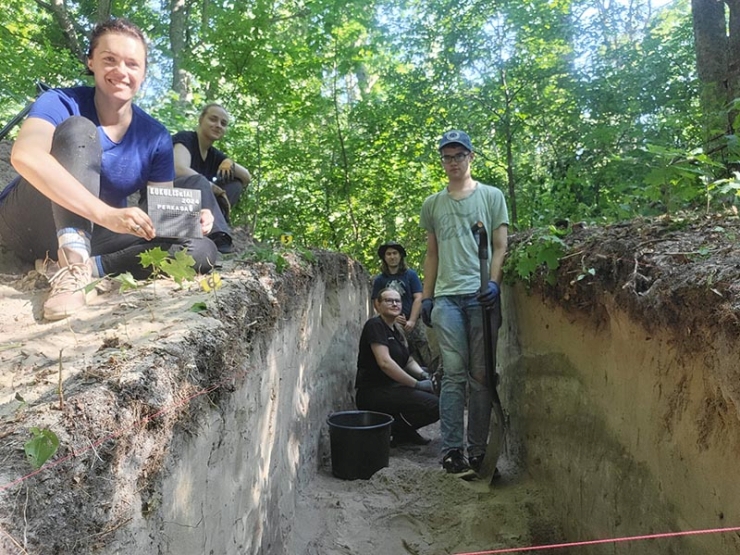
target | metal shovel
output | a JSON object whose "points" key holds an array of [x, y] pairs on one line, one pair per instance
{"points": [[497, 429]]}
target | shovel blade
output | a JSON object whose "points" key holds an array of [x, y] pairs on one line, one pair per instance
{"points": [[495, 443]]}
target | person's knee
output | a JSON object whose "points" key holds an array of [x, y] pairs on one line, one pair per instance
{"points": [[76, 139], [198, 182], [205, 254], [77, 129], [454, 376], [233, 191]]}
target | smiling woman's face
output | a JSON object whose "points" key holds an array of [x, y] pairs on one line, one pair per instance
{"points": [[118, 62], [213, 123], [389, 304]]}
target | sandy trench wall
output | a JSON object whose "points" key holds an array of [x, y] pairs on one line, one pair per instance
{"points": [[229, 486], [628, 432]]}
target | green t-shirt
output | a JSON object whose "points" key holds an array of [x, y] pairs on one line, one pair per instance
{"points": [[451, 221]]}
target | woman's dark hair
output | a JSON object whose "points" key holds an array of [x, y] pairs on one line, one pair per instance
{"points": [[119, 25]]}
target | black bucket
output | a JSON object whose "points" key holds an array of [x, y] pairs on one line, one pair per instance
{"points": [[360, 443]]}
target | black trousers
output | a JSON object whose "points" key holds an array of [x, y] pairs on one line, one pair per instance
{"points": [[207, 200], [29, 221], [409, 407]]}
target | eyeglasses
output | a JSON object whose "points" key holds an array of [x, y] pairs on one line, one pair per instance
{"points": [[392, 301], [459, 157]]}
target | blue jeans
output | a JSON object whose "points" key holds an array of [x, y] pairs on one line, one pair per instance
{"points": [[458, 322]]}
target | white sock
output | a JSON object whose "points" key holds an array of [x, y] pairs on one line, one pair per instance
{"points": [[76, 241], [96, 267]]}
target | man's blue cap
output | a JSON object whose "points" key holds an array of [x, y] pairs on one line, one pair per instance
{"points": [[455, 137]]}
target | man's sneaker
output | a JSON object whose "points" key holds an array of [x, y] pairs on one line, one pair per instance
{"points": [[454, 463], [476, 462], [68, 290]]}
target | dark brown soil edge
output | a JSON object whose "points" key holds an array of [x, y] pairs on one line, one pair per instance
{"points": [[680, 273], [119, 417]]}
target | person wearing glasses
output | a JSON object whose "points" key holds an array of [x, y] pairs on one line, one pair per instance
{"points": [[395, 274], [453, 301], [388, 379]]}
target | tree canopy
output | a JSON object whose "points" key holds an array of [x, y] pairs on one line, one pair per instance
{"points": [[593, 110]]}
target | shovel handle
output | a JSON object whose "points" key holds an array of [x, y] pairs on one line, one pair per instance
{"points": [[481, 236]]}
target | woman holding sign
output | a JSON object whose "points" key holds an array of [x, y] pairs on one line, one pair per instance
{"points": [[80, 153]]}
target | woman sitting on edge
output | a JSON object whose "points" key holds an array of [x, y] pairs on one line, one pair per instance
{"points": [[80, 153], [200, 165], [388, 379]]}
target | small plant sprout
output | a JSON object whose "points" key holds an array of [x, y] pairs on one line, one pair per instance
{"points": [[41, 447]]}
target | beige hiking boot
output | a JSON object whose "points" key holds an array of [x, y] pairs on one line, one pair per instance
{"points": [[69, 287]]}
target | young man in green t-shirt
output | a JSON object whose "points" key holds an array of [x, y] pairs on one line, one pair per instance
{"points": [[452, 300]]}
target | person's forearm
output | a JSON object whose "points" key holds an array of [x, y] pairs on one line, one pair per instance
{"points": [[242, 174], [184, 171], [497, 265], [414, 369], [430, 275], [391, 369], [415, 308], [499, 243]]}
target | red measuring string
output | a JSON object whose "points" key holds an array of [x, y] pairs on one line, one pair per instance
{"points": [[608, 540]]}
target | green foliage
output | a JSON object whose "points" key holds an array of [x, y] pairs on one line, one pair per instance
{"points": [[126, 282], [179, 268], [543, 249], [336, 107], [269, 254], [41, 447], [678, 178]]}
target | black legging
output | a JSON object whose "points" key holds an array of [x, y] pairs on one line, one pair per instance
{"points": [[29, 221], [409, 407]]}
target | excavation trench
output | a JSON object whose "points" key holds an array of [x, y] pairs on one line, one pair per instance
{"points": [[189, 433]]}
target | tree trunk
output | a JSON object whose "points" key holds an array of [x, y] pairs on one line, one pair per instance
{"points": [[58, 8], [716, 63], [178, 21], [104, 10], [710, 39], [733, 52]]}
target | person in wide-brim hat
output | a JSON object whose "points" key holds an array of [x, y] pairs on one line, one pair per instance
{"points": [[391, 245]]}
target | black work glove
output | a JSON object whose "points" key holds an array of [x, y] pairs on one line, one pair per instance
{"points": [[426, 311], [437, 382], [489, 294], [425, 385]]}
